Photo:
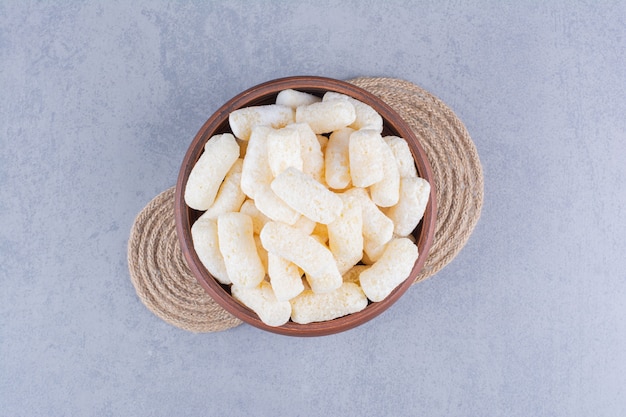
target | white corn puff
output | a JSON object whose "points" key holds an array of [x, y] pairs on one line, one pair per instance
{"points": [[229, 197], [314, 258], [377, 227], [403, 155], [393, 267], [243, 120], [294, 98], [414, 195], [236, 244], [310, 151], [311, 307], [263, 302], [283, 150], [206, 244], [327, 116], [366, 116], [345, 234], [258, 219], [307, 196], [386, 192], [272, 206], [366, 157], [205, 178], [337, 159], [256, 172], [284, 276]]}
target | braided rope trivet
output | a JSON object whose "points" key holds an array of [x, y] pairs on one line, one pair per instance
{"points": [[164, 282], [161, 276], [453, 159]]}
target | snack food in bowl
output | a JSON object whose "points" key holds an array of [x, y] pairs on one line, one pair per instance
{"points": [[304, 206]]}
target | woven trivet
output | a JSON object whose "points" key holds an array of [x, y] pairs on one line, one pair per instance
{"points": [[453, 158], [161, 276], [164, 282]]}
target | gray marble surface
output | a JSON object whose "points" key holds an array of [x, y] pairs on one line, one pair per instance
{"points": [[99, 101]]}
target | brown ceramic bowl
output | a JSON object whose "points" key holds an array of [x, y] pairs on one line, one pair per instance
{"points": [[266, 94]]}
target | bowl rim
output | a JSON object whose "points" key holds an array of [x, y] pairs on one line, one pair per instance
{"points": [[247, 98]]}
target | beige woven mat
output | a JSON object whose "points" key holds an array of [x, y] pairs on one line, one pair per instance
{"points": [[161, 276], [164, 282]]}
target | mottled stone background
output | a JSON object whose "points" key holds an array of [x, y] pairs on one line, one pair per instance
{"points": [[99, 101]]}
